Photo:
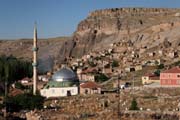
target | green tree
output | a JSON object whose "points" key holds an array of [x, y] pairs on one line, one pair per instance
{"points": [[91, 63], [13, 69], [24, 102], [161, 66], [115, 63], [157, 72], [177, 63], [134, 105], [18, 85], [101, 77]]}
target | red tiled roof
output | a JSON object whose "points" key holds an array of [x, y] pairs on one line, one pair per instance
{"points": [[26, 79], [15, 92], [90, 70], [89, 85], [152, 76], [172, 70]]}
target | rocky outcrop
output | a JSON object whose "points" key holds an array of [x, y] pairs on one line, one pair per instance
{"points": [[103, 27], [138, 26], [149, 115]]}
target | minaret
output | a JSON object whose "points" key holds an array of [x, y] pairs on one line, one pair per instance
{"points": [[35, 49]]}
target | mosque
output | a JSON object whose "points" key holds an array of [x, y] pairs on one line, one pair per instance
{"points": [[63, 83]]}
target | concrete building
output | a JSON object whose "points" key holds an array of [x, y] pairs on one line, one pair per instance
{"points": [[170, 77], [63, 83], [150, 78]]}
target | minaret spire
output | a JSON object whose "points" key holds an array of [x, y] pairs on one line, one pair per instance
{"points": [[35, 49]]}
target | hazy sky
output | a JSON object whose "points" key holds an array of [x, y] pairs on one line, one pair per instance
{"points": [[58, 17]]}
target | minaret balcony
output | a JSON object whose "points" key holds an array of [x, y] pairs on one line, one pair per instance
{"points": [[34, 64], [34, 49]]}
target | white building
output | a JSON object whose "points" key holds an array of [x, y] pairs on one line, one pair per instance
{"points": [[63, 83]]}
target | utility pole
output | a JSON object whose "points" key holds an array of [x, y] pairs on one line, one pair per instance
{"points": [[133, 84], [5, 113], [118, 112], [6, 89]]}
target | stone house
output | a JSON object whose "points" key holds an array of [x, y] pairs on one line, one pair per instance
{"points": [[86, 77], [138, 67], [107, 70], [150, 78], [90, 88], [173, 54], [151, 54], [25, 80], [129, 69]]}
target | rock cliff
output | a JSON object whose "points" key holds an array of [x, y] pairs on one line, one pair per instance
{"points": [[143, 27], [103, 27]]}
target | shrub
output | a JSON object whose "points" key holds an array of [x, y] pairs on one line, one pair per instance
{"points": [[157, 72], [134, 105], [115, 63], [161, 66], [18, 85], [101, 77]]}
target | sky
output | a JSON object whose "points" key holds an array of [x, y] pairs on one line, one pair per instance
{"points": [[58, 17]]}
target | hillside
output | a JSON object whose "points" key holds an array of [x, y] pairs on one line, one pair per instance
{"points": [[137, 28]]}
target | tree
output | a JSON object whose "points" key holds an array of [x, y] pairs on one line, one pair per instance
{"points": [[157, 72], [134, 105], [24, 101], [14, 69], [91, 63], [115, 63], [18, 85], [177, 63], [101, 77], [161, 66]]}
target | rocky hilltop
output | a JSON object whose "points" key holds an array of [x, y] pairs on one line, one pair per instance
{"points": [[133, 27], [103, 27]]}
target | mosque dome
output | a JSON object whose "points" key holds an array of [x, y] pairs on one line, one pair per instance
{"points": [[64, 74]]}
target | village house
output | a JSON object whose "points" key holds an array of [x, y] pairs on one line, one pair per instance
{"points": [[151, 54], [129, 69], [25, 80], [135, 55], [152, 62], [86, 75], [160, 52], [90, 88], [173, 54], [138, 67], [116, 55], [150, 78], [142, 50], [107, 70], [170, 77], [43, 78]]}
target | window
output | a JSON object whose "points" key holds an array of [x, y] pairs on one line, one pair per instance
{"points": [[169, 81], [62, 91], [53, 91], [178, 82], [72, 90], [169, 75]]}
